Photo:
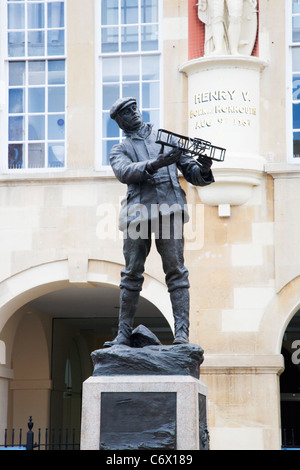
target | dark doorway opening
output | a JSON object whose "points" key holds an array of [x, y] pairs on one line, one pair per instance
{"points": [[290, 385], [82, 320]]}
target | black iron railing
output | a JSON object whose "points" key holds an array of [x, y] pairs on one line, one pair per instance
{"points": [[291, 438], [49, 439]]}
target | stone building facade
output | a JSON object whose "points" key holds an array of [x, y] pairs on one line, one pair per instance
{"points": [[62, 63]]}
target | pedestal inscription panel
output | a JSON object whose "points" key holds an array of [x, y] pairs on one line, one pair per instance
{"points": [[138, 421], [128, 412]]}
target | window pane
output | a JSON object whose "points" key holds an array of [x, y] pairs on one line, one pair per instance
{"points": [[36, 43], [16, 73], [152, 117], [16, 101], [36, 100], [56, 39], [16, 128], [16, 44], [56, 17], [296, 29], [296, 6], [56, 72], [56, 127], [150, 67], [131, 69], [56, 155], [36, 155], [111, 69], [110, 94], [56, 99], [296, 87], [16, 16], [151, 92], [296, 116], [15, 155], [149, 11], [106, 148], [296, 144], [296, 59], [110, 40], [129, 11], [110, 12], [132, 89], [130, 38], [36, 15], [36, 72], [109, 127], [36, 127], [149, 38]]}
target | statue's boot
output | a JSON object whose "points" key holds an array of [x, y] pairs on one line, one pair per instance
{"points": [[128, 305], [180, 299]]}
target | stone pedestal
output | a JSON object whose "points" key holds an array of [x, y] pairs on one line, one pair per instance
{"points": [[145, 396], [144, 413]]}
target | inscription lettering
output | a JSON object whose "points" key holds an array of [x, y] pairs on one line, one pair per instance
{"points": [[217, 95], [245, 95], [203, 123], [218, 105], [235, 109]]}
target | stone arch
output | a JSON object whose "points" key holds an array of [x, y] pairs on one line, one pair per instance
{"points": [[278, 315], [36, 281], [19, 290]]}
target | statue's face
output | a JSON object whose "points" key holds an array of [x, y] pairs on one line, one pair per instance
{"points": [[130, 118]]}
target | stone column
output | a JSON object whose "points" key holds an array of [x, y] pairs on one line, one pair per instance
{"points": [[244, 401], [5, 376]]}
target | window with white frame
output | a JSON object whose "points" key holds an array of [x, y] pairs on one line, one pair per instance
{"points": [[130, 60], [36, 83], [295, 57]]}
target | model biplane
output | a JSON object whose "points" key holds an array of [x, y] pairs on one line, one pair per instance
{"points": [[195, 148]]}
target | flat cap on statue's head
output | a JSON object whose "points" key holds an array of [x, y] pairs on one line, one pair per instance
{"points": [[120, 104]]}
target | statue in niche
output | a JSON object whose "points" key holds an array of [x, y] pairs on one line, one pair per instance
{"points": [[230, 26]]}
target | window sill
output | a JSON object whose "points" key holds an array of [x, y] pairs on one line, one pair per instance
{"points": [[57, 175]]}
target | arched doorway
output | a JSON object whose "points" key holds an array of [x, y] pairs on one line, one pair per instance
{"points": [[290, 385], [95, 295], [80, 319]]}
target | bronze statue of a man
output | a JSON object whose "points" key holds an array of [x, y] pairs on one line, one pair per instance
{"points": [[155, 202]]}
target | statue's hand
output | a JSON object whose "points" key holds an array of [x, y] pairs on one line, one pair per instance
{"points": [[205, 164], [166, 159]]}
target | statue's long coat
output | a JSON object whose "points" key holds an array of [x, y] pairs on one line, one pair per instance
{"points": [[149, 194]]}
